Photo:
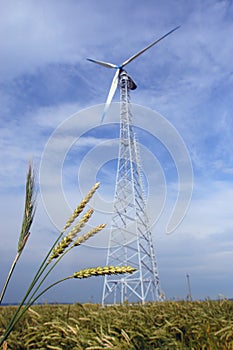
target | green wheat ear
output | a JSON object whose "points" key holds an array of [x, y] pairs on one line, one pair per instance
{"points": [[29, 209], [29, 212]]}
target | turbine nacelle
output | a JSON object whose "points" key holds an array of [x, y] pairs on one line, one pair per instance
{"points": [[125, 76], [120, 72]]}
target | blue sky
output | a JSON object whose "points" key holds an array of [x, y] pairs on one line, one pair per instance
{"points": [[186, 78]]}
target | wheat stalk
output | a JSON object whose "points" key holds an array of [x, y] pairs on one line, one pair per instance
{"points": [[29, 212], [86, 273], [57, 251]]}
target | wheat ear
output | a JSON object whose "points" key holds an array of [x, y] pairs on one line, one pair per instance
{"points": [[29, 209], [88, 235], [65, 242], [81, 206], [100, 271], [29, 212]]}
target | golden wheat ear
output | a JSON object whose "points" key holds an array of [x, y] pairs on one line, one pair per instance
{"points": [[81, 206], [68, 239], [102, 271]]}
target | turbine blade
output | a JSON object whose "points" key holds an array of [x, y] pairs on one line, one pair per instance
{"points": [[146, 48], [111, 94], [105, 64]]}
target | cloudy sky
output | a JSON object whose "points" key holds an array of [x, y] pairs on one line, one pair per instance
{"points": [[50, 108]]}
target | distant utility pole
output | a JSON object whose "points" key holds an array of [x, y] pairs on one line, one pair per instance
{"points": [[189, 296]]}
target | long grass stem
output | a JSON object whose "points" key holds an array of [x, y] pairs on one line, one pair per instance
{"points": [[9, 276]]}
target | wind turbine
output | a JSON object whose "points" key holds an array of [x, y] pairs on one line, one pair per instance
{"points": [[130, 239], [120, 70]]}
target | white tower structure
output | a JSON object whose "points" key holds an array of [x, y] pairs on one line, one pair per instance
{"points": [[130, 241]]}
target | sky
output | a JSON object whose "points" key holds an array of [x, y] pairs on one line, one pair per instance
{"points": [[51, 102]]}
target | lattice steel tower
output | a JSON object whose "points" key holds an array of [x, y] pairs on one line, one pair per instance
{"points": [[130, 240]]}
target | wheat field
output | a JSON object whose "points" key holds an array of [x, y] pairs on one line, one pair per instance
{"points": [[166, 325]]}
